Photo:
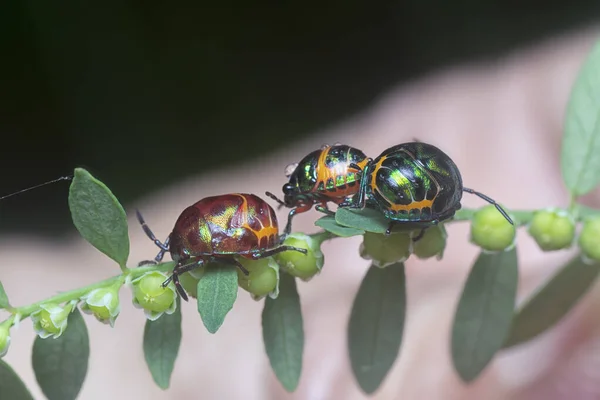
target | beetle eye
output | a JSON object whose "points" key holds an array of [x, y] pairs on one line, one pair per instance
{"points": [[289, 169], [288, 189]]}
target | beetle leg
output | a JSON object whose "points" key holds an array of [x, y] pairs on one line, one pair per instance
{"points": [[230, 261], [158, 257], [419, 236], [388, 231], [323, 208], [279, 249], [147, 262], [181, 269], [288, 226], [298, 210], [358, 201], [236, 263], [162, 252], [346, 203]]}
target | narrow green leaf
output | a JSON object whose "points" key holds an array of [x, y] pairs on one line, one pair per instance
{"points": [[328, 223], [11, 386], [552, 301], [61, 364], [377, 324], [283, 333], [580, 153], [98, 216], [161, 345], [217, 292], [3, 298], [484, 313]]}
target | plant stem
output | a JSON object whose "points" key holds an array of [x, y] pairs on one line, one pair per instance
{"points": [[323, 236], [75, 294]]}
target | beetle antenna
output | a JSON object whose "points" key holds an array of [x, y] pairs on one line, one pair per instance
{"points": [[62, 178], [491, 201], [164, 247], [271, 195]]}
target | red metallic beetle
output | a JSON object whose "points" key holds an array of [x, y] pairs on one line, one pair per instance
{"points": [[217, 229]]}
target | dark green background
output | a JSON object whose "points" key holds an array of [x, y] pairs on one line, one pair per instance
{"points": [[143, 93]]}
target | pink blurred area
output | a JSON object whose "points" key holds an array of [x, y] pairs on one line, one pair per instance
{"points": [[501, 121]]}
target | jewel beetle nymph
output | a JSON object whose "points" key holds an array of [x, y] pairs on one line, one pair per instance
{"points": [[414, 183], [329, 174], [217, 229]]}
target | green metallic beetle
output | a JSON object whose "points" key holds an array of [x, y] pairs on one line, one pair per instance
{"points": [[414, 183], [322, 176]]}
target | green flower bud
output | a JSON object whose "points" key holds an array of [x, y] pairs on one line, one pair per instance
{"points": [[386, 250], [552, 229], [303, 266], [149, 295], [189, 280], [5, 337], [103, 303], [51, 320], [589, 239], [263, 278], [491, 231], [432, 244]]}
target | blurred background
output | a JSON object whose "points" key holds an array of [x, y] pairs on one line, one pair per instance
{"points": [[147, 93]]}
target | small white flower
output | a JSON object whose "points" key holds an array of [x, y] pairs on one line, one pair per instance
{"points": [[103, 303], [50, 320], [152, 297]]}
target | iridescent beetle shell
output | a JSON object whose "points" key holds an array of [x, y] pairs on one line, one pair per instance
{"points": [[219, 228], [414, 183], [330, 174], [240, 224]]}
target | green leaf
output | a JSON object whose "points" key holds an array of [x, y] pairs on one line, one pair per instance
{"points": [[580, 153], [3, 298], [552, 301], [366, 219], [61, 364], [377, 324], [328, 223], [162, 338], [369, 220], [98, 216], [11, 386], [217, 292], [283, 333], [484, 313]]}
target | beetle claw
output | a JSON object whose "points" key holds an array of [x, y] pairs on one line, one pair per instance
{"points": [[388, 231], [182, 294]]}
